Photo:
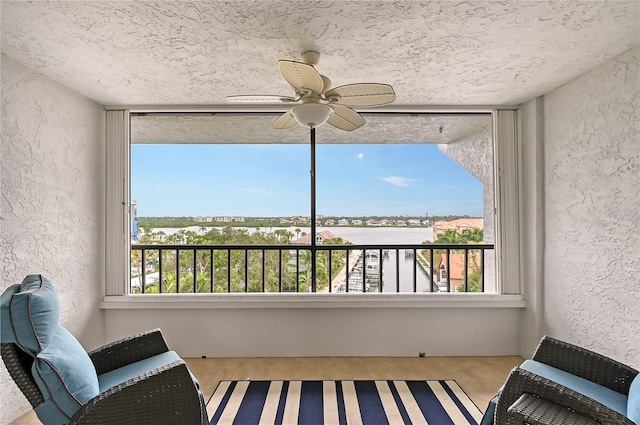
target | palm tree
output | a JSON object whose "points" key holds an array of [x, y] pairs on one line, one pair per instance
{"points": [[472, 235], [283, 235], [449, 237]]}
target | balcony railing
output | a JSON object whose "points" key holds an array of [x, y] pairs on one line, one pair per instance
{"points": [[287, 268]]}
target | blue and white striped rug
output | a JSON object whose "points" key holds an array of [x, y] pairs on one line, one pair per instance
{"points": [[342, 402]]}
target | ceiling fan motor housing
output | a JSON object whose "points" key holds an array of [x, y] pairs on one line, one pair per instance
{"points": [[311, 57]]}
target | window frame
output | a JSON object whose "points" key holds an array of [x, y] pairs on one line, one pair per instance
{"points": [[507, 162]]}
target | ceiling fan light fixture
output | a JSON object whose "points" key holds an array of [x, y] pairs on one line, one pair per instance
{"points": [[312, 114]]}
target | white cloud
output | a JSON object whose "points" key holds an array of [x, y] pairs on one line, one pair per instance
{"points": [[397, 181], [360, 155]]}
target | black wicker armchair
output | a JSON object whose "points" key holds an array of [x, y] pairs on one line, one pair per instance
{"points": [[566, 384], [136, 380], [167, 394]]}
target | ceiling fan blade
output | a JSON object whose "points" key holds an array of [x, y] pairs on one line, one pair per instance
{"points": [[285, 120], [362, 94], [259, 98], [301, 75], [345, 118]]}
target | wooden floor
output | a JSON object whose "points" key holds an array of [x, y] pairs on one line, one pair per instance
{"points": [[480, 377]]}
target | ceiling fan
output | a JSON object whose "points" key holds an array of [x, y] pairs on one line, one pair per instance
{"points": [[317, 101]]}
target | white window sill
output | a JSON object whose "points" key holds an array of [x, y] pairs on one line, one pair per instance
{"points": [[214, 301]]}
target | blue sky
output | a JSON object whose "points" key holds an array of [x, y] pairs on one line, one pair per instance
{"points": [[273, 180]]}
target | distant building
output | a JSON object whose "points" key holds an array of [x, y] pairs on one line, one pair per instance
{"points": [[384, 222], [458, 225], [343, 222], [414, 222], [356, 222], [372, 222], [203, 219], [330, 222], [222, 219]]}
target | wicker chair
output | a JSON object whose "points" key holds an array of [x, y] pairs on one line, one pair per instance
{"points": [[164, 395], [529, 398], [136, 380]]}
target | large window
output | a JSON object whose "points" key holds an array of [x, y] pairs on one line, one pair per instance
{"points": [[220, 202]]}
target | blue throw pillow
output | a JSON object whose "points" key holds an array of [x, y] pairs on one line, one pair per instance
{"points": [[6, 332], [66, 377], [34, 313]]}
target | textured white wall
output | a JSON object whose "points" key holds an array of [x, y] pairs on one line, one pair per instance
{"points": [[52, 201], [291, 332], [474, 153], [592, 206]]}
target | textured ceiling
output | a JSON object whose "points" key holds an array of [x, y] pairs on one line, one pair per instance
{"points": [[433, 53]]}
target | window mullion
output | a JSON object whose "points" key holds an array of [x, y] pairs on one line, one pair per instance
{"points": [[313, 210]]}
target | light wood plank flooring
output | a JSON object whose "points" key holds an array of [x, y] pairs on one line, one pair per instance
{"points": [[480, 377]]}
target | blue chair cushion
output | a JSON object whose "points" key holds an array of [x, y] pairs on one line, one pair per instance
{"points": [[119, 376], [130, 371], [34, 314], [66, 377], [633, 403], [604, 395]]}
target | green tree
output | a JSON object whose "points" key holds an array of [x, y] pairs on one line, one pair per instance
{"points": [[450, 237], [466, 236], [235, 270], [283, 235], [472, 235]]}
